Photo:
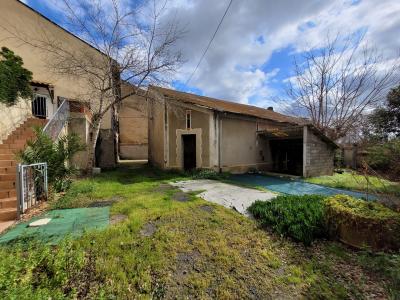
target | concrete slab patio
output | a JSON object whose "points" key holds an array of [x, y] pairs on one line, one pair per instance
{"points": [[228, 195]]}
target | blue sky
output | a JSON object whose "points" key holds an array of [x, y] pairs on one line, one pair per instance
{"points": [[251, 57]]}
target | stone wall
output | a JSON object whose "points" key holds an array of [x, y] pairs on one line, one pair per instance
{"points": [[13, 116], [318, 154]]}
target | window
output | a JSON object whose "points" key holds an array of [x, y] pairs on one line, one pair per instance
{"points": [[39, 108], [188, 119]]}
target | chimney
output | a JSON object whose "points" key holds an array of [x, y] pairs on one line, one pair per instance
{"points": [[270, 108]]}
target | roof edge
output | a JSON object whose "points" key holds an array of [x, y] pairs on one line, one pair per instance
{"points": [[59, 26]]}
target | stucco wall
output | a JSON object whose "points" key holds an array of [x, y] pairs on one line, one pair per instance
{"points": [[133, 128], [80, 125], [241, 149], [177, 127], [27, 24], [156, 132], [12, 116], [319, 155]]}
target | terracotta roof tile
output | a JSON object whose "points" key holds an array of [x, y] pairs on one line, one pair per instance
{"points": [[227, 106]]}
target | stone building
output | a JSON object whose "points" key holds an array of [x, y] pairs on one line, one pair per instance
{"points": [[187, 131]]}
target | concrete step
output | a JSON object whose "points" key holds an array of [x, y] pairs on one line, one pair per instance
{"points": [[8, 170], [16, 143], [35, 121], [13, 147], [7, 151], [5, 225], [7, 177], [8, 193], [8, 203], [8, 214], [7, 163], [25, 136], [22, 132], [7, 185], [7, 156]]}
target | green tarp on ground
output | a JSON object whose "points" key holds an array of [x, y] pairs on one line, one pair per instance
{"points": [[72, 222]]}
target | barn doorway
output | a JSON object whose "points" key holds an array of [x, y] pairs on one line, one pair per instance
{"points": [[189, 151], [287, 156]]}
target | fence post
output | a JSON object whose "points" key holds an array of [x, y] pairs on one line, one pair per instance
{"points": [[46, 187], [18, 186]]}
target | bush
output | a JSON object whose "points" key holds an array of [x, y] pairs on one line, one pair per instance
{"points": [[207, 174], [385, 157], [362, 223], [300, 217], [355, 222], [14, 78], [56, 154]]}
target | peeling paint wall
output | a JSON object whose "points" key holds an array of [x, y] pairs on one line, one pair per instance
{"points": [[156, 132], [13, 116], [133, 128], [241, 149], [177, 127]]}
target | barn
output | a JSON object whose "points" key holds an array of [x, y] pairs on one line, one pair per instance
{"points": [[187, 131]]}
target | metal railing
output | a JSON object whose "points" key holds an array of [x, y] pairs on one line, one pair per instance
{"points": [[58, 121], [32, 185]]}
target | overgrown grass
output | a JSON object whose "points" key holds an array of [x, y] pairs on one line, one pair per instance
{"points": [[300, 217], [197, 250], [353, 181]]}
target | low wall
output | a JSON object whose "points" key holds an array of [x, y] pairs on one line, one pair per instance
{"points": [[13, 116]]}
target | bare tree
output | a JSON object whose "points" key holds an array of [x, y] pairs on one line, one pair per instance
{"points": [[334, 85], [137, 46]]}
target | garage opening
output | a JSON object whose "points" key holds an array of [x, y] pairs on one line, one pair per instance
{"points": [[287, 156], [189, 151], [286, 149]]}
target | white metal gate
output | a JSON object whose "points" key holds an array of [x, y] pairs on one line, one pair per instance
{"points": [[32, 185]]}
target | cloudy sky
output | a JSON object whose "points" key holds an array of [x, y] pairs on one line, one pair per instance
{"points": [[251, 56]]}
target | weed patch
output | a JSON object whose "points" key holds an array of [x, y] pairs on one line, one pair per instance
{"points": [[300, 217], [198, 250]]}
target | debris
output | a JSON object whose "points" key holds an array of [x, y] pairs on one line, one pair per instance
{"points": [[181, 196], [115, 219], [207, 208], [148, 230], [40, 222]]}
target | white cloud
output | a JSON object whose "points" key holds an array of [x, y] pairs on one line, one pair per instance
{"points": [[225, 70], [232, 68]]}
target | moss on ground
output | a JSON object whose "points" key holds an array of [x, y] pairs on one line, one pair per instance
{"points": [[362, 209], [352, 181], [178, 249]]}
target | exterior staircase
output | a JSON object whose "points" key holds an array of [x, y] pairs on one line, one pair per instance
{"points": [[15, 141]]}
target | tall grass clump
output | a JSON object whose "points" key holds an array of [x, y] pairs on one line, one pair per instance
{"points": [[299, 217]]}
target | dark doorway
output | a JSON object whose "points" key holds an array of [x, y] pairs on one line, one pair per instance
{"points": [[39, 109], [287, 156], [189, 151]]}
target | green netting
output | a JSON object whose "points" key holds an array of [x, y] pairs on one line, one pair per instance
{"points": [[73, 222]]}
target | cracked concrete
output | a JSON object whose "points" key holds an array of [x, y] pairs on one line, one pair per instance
{"points": [[228, 195]]}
